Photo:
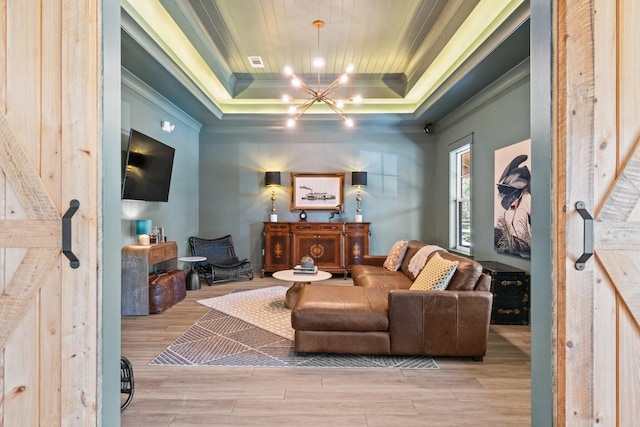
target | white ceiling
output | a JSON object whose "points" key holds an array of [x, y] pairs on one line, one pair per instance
{"points": [[414, 59]]}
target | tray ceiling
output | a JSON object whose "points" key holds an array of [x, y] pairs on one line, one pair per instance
{"points": [[408, 54]]}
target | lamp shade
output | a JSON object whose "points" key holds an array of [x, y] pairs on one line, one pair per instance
{"points": [[358, 178], [143, 226], [271, 178]]}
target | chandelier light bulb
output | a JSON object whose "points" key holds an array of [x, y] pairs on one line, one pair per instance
{"points": [[286, 98], [317, 94]]}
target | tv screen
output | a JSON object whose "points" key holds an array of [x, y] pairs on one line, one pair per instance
{"points": [[147, 175]]}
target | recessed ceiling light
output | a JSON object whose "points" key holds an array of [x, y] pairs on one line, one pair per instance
{"points": [[256, 62]]}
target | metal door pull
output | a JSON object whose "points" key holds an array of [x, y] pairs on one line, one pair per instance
{"points": [[587, 250], [66, 234]]}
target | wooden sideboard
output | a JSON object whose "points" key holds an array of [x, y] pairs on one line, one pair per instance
{"points": [[334, 246], [136, 261]]}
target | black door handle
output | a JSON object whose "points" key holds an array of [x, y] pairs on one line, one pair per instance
{"points": [[587, 250], [66, 233]]}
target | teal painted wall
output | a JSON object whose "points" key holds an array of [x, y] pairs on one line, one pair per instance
{"points": [[497, 117], [143, 110], [542, 336], [109, 338], [397, 199]]}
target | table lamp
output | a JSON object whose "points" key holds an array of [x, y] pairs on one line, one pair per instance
{"points": [[272, 179], [358, 179], [143, 229]]}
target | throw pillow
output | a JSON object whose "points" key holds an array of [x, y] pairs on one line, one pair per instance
{"points": [[420, 259], [396, 254], [435, 276]]}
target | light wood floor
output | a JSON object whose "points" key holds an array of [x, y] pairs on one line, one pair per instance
{"points": [[495, 392]]}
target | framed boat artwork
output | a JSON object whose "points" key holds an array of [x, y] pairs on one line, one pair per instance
{"points": [[317, 191]]}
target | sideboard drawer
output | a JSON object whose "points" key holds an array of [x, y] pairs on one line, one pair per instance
{"points": [[161, 252], [276, 227], [357, 226], [318, 226]]}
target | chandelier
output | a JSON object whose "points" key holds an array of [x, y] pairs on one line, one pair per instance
{"points": [[318, 95]]}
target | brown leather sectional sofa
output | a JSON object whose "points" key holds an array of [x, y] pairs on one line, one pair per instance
{"points": [[380, 315]]}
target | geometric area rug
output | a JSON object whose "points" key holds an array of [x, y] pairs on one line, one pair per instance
{"points": [[220, 339], [261, 307]]}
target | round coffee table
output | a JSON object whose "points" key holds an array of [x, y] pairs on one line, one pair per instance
{"points": [[299, 280]]}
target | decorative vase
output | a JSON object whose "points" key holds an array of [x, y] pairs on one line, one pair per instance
{"points": [[306, 262]]}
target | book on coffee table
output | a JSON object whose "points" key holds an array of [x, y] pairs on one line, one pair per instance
{"points": [[298, 269]]}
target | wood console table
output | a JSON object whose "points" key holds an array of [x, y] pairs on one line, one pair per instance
{"points": [[334, 246], [136, 261]]}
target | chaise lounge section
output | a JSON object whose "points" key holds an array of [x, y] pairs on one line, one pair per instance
{"points": [[381, 315]]}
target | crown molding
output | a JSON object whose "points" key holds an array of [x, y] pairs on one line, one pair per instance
{"points": [[139, 87]]}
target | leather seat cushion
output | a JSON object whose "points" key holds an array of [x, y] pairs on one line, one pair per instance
{"points": [[385, 281], [379, 277], [341, 308], [366, 270]]}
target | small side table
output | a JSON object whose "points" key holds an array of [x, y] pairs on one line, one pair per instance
{"points": [[193, 281]]}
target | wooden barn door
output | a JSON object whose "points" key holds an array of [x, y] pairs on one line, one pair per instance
{"points": [[597, 151], [49, 145]]}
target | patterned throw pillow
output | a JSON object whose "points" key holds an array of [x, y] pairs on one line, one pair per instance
{"points": [[435, 276], [396, 254]]}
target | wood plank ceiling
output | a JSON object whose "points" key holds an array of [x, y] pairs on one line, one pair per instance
{"points": [[402, 50]]}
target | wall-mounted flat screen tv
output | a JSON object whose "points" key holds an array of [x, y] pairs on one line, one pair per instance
{"points": [[148, 165]]}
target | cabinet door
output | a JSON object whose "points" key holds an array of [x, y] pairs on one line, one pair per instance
{"points": [[320, 241], [356, 243], [277, 247]]}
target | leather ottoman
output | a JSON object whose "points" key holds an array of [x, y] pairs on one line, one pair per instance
{"points": [[160, 293], [178, 277], [165, 290]]}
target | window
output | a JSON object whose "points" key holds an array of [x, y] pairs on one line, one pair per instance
{"points": [[460, 211]]}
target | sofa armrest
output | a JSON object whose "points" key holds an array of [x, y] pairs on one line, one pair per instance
{"points": [[377, 260], [439, 323]]}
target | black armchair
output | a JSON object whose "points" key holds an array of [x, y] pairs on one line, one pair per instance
{"points": [[222, 264]]}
